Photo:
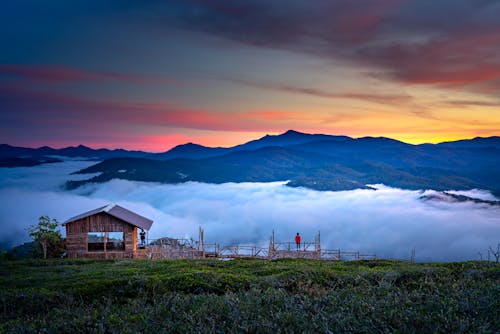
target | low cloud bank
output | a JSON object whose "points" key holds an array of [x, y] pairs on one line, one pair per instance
{"points": [[475, 193], [388, 222]]}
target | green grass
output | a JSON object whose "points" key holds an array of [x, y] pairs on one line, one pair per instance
{"points": [[248, 296]]}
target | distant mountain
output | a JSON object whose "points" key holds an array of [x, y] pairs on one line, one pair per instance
{"points": [[286, 139], [191, 151], [289, 138], [478, 142], [188, 151], [321, 162], [44, 153], [25, 162]]}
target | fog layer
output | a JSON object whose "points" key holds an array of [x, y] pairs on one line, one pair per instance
{"points": [[388, 222]]}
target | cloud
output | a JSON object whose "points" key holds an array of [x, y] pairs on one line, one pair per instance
{"points": [[471, 103], [456, 59], [380, 98], [388, 222], [28, 193], [450, 43], [72, 119], [288, 24], [74, 114], [475, 193], [65, 74]]}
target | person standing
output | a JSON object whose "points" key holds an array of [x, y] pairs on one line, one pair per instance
{"points": [[297, 241], [142, 245]]}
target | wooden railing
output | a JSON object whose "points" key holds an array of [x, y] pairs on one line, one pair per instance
{"points": [[168, 248]]}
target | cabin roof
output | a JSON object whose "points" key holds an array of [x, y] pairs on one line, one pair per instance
{"points": [[117, 212]]}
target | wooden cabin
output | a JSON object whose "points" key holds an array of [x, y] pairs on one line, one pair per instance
{"points": [[107, 232]]}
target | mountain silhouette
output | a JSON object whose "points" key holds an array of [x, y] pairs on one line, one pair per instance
{"points": [[320, 162], [317, 161]]}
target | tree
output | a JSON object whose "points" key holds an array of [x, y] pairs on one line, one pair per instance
{"points": [[45, 233], [497, 253]]}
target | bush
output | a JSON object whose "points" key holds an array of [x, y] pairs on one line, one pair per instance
{"points": [[301, 296]]}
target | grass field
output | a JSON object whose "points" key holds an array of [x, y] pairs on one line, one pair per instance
{"points": [[248, 296]]}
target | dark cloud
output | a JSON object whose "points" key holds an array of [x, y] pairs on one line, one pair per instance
{"points": [[472, 103], [453, 43], [453, 61], [380, 98], [448, 42], [291, 24]]}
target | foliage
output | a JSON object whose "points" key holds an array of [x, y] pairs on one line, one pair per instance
{"points": [[26, 250], [282, 296], [47, 236]]}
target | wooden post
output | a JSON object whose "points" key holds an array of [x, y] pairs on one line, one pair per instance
{"points": [[318, 246], [105, 239], [274, 246], [202, 238], [199, 238], [270, 254]]}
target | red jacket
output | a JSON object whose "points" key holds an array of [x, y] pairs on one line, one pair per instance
{"points": [[297, 239]]}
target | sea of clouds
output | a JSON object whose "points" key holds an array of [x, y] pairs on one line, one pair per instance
{"points": [[388, 222]]}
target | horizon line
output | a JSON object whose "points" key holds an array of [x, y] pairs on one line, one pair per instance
{"points": [[95, 147]]}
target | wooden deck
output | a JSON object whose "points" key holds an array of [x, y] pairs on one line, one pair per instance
{"points": [[183, 249]]}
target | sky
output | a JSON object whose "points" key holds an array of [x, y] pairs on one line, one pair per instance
{"points": [[387, 222], [153, 74]]}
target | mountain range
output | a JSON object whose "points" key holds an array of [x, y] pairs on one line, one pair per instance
{"points": [[317, 161]]}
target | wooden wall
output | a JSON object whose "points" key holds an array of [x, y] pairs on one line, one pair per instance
{"points": [[76, 236]]}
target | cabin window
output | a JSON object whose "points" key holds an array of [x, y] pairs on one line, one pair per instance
{"points": [[95, 241], [109, 241], [114, 241]]}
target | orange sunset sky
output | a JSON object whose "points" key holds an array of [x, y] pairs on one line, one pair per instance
{"points": [[149, 75]]}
